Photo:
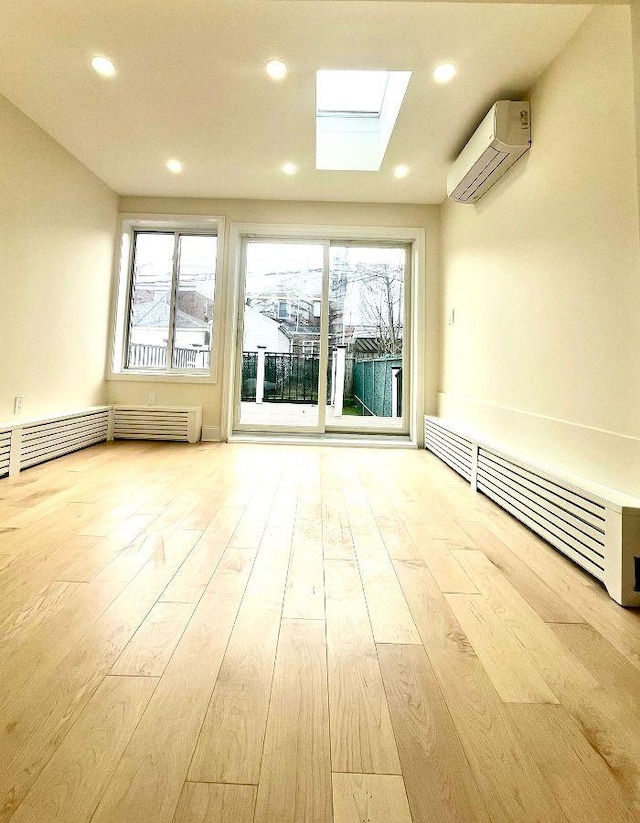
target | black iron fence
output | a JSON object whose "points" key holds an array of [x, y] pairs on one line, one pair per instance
{"points": [[291, 378], [288, 377], [249, 375]]}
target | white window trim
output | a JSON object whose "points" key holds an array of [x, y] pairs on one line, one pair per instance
{"points": [[127, 224], [414, 237]]}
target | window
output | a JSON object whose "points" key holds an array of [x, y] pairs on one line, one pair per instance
{"points": [[356, 112], [355, 93], [282, 309], [166, 298]]}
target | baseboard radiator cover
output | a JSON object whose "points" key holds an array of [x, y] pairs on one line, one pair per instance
{"points": [[456, 450], [179, 423], [5, 452], [27, 443], [598, 528]]}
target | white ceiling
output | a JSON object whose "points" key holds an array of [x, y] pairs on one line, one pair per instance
{"points": [[190, 84]]}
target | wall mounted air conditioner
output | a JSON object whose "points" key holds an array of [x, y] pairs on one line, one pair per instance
{"points": [[503, 136]]}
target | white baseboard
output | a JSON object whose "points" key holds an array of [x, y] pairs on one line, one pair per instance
{"points": [[211, 434], [605, 457], [334, 439]]}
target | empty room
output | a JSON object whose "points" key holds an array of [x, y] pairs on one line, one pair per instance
{"points": [[319, 412]]}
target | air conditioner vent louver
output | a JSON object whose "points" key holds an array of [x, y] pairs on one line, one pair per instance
{"points": [[43, 440], [157, 423], [598, 528], [5, 452], [503, 136], [479, 173]]}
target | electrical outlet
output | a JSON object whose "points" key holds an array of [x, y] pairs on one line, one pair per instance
{"points": [[152, 398], [18, 404]]}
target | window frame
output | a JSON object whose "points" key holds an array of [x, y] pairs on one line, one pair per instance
{"points": [[129, 225]]}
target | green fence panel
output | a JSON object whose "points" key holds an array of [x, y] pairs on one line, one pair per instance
{"points": [[373, 384]]}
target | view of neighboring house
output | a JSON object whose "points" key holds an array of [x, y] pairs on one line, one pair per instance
{"points": [[365, 304], [289, 301], [365, 301], [150, 324], [262, 330]]}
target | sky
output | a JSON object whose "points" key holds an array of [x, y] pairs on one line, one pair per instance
{"points": [[270, 263]]}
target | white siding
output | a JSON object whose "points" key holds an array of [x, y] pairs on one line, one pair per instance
{"points": [[263, 331]]}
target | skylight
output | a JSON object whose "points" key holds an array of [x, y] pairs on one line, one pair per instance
{"points": [[355, 115], [351, 92]]}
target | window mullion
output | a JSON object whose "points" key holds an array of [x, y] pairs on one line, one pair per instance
{"points": [[174, 297]]}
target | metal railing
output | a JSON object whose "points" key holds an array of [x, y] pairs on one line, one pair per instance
{"points": [[288, 377], [291, 378], [148, 356], [249, 375]]}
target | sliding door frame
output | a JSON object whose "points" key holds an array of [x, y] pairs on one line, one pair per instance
{"points": [[274, 426], [239, 233]]}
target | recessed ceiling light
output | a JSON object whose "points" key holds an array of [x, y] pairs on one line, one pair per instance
{"points": [[289, 168], [444, 72], [103, 66], [175, 166], [401, 171], [276, 69]]}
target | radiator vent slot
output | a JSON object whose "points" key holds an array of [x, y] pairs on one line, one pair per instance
{"points": [[5, 452], [571, 522], [45, 439], [157, 423], [454, 449]]}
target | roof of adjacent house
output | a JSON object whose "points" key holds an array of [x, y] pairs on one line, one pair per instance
{"points": [[367, 345], [156, 316]]}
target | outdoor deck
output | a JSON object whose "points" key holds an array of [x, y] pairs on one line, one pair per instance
{"points": [[305, 414]]}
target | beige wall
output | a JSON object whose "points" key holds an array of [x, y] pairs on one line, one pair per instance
{"points": [[635, 45], [211, 396], [543, 273], [57, 223]]}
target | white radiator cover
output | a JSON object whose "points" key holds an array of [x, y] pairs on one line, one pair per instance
{"points": [[26, 443], [597, 527], [5, 452], [454, 449], [180, 423]]}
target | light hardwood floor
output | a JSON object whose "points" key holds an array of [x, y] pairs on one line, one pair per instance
{"points": [[232, 633]]}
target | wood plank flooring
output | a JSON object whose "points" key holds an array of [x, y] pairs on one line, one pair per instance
{"points": [[217, 633]]}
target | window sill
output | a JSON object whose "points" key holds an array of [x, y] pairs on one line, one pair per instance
{"points": [[162, 377]]}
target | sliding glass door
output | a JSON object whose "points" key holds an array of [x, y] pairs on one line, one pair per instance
{"points": [[281, 385], [367, 333], [322, 340]]}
